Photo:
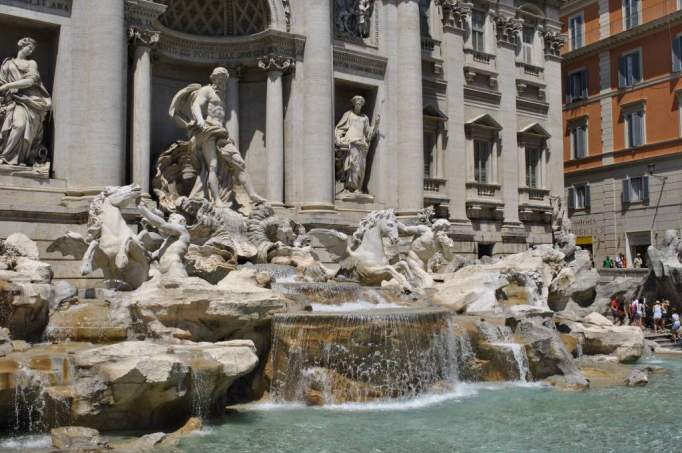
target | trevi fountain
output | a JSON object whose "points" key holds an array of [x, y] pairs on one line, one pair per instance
{"points": [[223, 324]]}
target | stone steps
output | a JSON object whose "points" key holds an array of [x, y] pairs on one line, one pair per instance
{"points": [[663, 340]]}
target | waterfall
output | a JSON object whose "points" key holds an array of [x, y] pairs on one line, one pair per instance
{"points": [[331, 358], [29, 401], [501, 337], [201, 393]]}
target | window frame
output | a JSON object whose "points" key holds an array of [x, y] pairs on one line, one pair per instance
{"points": [[584, 86], [628, 112], [571, 33], [482, 31], [580, 123], [676, 59], [644, 190], [537, 172], [640, 59], [625, 16], [488, 161], [573, 197], [529, 45]]}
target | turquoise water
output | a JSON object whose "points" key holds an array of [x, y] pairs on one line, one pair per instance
{"points": [[474, 418]]}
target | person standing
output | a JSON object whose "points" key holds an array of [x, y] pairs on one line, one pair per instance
{"points": [[658, 315], [607, 263], [676, 326], [637, 262]]}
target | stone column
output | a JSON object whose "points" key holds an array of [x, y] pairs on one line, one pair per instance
{"points": [[142, 41], [274, 128], [232, 104], [508, 29], [410, 146], [555, 159], [318, 155], [98, 155], [457, 157]]}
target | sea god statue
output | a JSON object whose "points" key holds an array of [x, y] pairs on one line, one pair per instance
{"points": [[24, 103], [354, 134]]}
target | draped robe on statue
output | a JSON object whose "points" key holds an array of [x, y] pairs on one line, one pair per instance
{"points": [[352, 133], [35, 101]]}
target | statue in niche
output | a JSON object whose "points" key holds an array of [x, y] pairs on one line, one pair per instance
{"points": [[209, 164], [353, 137], [353, 18], [24, 104]]}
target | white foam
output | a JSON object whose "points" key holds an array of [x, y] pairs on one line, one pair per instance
{"points": [[34, 441], [459, 391], [353, 306]]}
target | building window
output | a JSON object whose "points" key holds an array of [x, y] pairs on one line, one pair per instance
{"points": [[533, 161], [429, 153], [528, 38], [482, 161], [636, 190], [630, 69], [576, 86], [579, 197], [576, 30], [578, 133], [478, 31], [677, 53], [630, 13], [634, 128]]}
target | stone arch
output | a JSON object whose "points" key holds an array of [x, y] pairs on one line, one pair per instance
{"points": [[224, 18]]}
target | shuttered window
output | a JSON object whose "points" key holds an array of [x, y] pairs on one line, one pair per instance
{"points": [[631, 13], [634, 121], [577, 86], [576, 31], [528, 39], [533, 161], [636, 190], [629, 69], [579, 197], [677, 53], [579, 140]]}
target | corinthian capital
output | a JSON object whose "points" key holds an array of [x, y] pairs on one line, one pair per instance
{"points": [[554, 41], [274, 63], [508, 29], [455, 13], [143, 37]]}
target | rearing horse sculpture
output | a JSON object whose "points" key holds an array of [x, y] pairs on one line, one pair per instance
{"points": [[111, 244], [364, 253]]}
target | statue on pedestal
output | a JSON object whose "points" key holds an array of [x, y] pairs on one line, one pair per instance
{"points": [[353, 137], [209, 164], [24, 103]]}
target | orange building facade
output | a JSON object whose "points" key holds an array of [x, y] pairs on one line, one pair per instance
{"points": [[622, 123]]}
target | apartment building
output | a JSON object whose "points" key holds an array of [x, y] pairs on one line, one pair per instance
{"points": [[622, 126]]}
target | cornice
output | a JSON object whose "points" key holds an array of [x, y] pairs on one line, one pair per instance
{"points": [[623, 36]]}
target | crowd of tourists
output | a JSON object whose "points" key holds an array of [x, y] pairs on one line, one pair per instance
{"points": [[657, 316], [620, 262]]}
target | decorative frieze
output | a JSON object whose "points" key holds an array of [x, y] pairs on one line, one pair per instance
{"points": [[359, 63], [275, 63], [142, 14], [455, 14], [353, 18], [59, 7], [270, 42], [508, 29]]}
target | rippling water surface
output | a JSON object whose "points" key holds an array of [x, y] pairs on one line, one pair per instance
{"points": [[476, 418]]}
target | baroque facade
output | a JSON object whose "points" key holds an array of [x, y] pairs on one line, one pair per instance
{"points": [[442, 102], [622, 124]]}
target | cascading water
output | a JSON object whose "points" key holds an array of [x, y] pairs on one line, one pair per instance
{"points": [[29, 401], [501, 337], [332, 358]]}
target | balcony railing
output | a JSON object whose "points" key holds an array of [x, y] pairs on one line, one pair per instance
{"points": [[435, 185], [430, 47], [530, 71], [482, 61]]}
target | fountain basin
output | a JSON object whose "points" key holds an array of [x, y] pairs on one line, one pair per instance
{"points": [[336, 357]]}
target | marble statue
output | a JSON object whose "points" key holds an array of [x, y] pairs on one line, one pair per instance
{"points": [[426, 243], [363, 254], [171, 254], [354, 135], [663, 260], [24, 104], [353, 18], [111, 245], [562, 234], [209, 164]]}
